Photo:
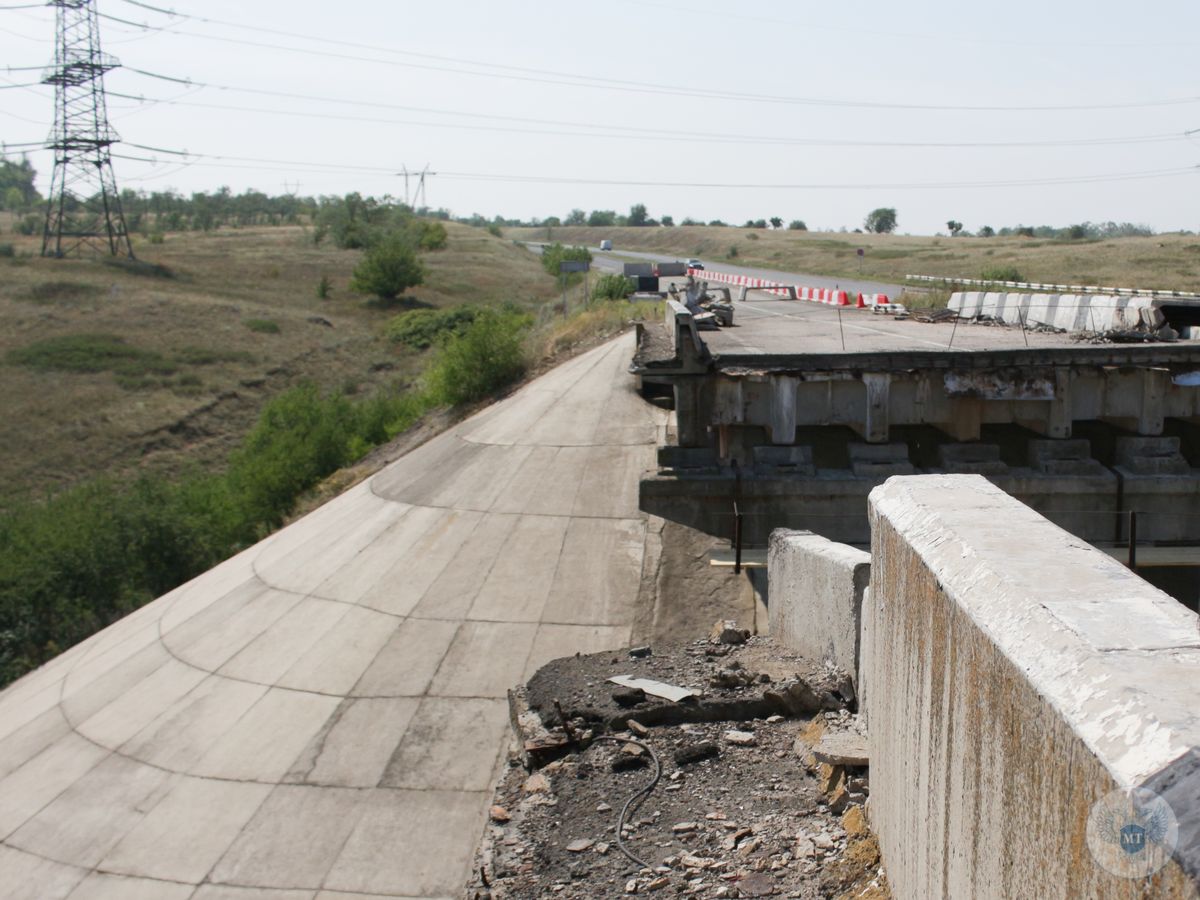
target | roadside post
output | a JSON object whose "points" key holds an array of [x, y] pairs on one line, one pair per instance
{"points": [[572, 265]]}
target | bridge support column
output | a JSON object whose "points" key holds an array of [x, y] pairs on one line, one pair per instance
{"points": [[783, 409], [876, 422]]}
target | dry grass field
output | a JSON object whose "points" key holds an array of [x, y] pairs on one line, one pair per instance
{"points": [[1166, 262], [111, 369]]}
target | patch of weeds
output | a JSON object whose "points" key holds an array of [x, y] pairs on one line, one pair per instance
{"points": [[420, 329], [1001, 273], [188, 385], [324, 288], [206, 356], [55, 291], [92, 353], [7, 251], [262, 326], [139, 267]]}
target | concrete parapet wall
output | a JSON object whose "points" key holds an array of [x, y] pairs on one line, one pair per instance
{"points": [[1067, 312], [1015, 677], [816, 592]]}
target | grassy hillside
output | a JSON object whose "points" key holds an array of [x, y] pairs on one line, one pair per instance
{"points": [[112, 370], [1168, 262]]}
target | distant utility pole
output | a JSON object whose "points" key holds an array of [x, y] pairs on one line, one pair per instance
{"points": [[416, 199], [84, 209]]}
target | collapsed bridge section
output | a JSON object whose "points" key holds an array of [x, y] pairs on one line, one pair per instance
{"points": [[791, 418]]}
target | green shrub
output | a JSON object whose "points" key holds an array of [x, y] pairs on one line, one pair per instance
{"points": [[262, 326], [422, 328], [389, 268], [556, 253], [28, 225], [486, 357], [495, 231], [752, 237], [428, 235], [733, 251], [91, 353], [324, 288], [300, 437], [614, 287], [7, 251], [1001, 273]]}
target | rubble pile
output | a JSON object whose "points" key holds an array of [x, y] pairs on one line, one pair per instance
{"points": [[614, 791]]}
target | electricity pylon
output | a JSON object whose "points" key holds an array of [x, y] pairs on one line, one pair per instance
{"points": [[84, 209]]}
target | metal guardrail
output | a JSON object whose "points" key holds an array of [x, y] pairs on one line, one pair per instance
{"points": [[1057, 288]]}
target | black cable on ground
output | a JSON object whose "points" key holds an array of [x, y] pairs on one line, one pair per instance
{"points": [[641, 793]]}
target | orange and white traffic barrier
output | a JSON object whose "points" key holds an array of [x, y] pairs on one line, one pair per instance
{"points": [[879, 303]]}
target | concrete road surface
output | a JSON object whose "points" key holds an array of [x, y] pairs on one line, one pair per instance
{"points": [[323, 715]]}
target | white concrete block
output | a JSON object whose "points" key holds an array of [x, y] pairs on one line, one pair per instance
{"points": [[815, 592], [1016, 675]]}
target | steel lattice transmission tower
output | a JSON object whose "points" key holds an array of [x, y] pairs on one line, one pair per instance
{"points": [[84, 210]]}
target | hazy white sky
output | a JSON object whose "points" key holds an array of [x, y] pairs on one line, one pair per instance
{"points": [[700, 108]]}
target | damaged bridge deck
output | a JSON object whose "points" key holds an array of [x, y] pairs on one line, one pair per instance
{"points": [[799, 409]]}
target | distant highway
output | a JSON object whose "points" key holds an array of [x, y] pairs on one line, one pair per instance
{"points": [[823, 281], [607, 261]]}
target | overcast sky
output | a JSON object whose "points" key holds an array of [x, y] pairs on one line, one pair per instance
{"points": [[701, 108]]}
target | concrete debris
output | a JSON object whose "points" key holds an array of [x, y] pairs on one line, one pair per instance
{"points": [[629, 697], [684, 827], [623, 762], [741, 738], [725, 631], [499, 814], [842, 748], [537, 783], [637, 727], [639, 652], [655, 688], [694, 753]]}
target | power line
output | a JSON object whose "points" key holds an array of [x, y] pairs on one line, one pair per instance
{"points": [[598, 129], [237, 162], [548, 76], [1080, 179], [858, 31]]}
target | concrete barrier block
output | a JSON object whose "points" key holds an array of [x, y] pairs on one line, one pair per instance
{"points": [[991, 305], [815, 590], [1016, 677]]}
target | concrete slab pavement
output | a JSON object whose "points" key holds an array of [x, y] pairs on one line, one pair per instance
{"points": [[323, 715]]}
